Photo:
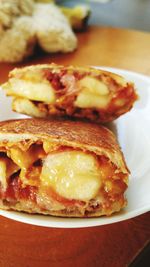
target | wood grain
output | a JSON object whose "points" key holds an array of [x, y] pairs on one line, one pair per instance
{"points": [[115, 245], [107, 246], [100, 46]]}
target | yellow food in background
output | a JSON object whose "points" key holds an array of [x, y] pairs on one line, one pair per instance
{"points": [[45, 1], [78, 16]]}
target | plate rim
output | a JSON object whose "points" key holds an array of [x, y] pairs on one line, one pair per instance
{"points": [[77, 222]]}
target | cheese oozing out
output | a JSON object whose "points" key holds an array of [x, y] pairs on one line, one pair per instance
{"points": [[24, 159], [93, 94], [7, 168], [72, 174], [3, 173]]}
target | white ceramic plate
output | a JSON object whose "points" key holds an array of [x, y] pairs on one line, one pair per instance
{"points": [[133, 132]]}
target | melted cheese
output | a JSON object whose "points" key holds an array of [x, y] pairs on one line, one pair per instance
{"points": [[37, 91], [21, 158], [49, 146], [24, 159], [93, 94], [72, 174], [7, 168], [3, 174], [30, 177]]}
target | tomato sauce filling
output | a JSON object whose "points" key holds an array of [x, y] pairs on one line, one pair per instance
{"points": [[65, 85]]}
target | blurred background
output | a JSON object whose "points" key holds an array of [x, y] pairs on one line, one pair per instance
{"points": [[33, 24], [133, 14]]}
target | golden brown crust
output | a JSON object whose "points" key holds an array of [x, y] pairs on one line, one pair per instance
{"points": [[20, 72], [77, 134], [32, 208], [76, 131]]}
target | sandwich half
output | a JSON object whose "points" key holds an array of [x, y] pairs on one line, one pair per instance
{"points": [[53, 90], [61, 168]]}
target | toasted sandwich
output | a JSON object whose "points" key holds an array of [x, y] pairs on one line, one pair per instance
{"points": [[53, 90], [61, 168]]}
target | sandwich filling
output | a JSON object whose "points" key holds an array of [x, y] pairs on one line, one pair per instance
{"points": [[53, 178], [90, 94]]}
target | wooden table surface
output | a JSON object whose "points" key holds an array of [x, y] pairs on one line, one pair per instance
{"points": [[115, 245]]}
